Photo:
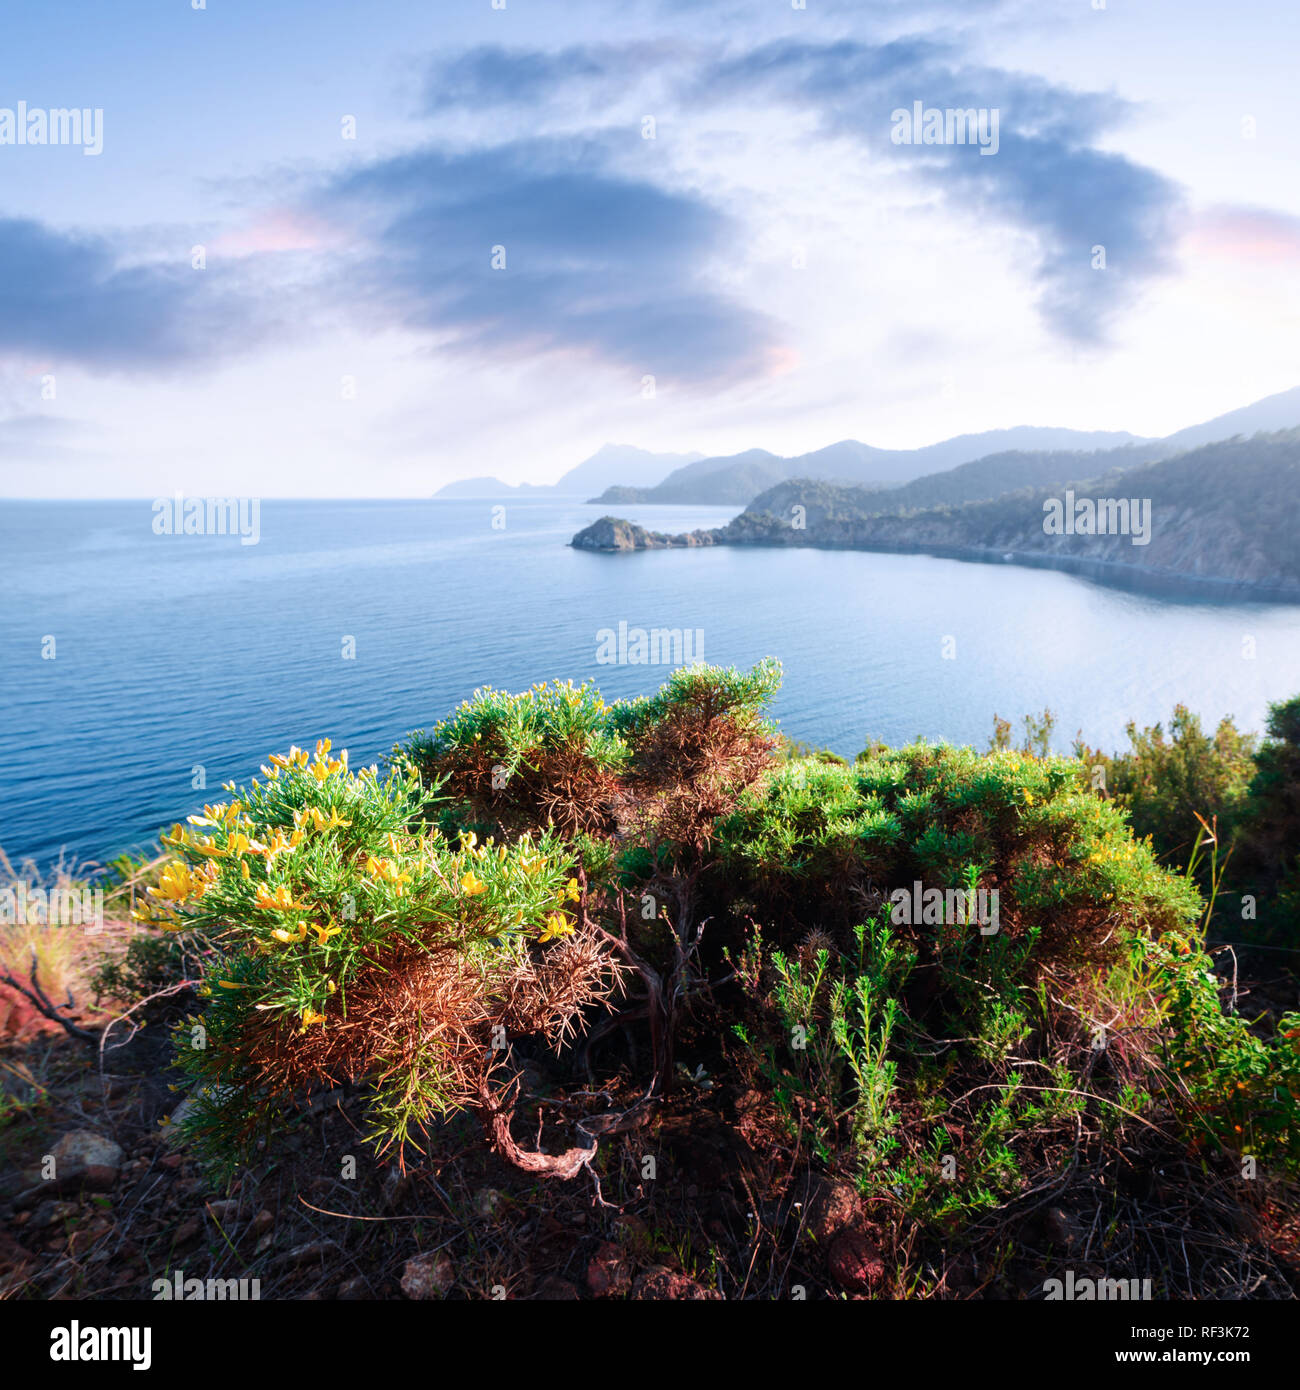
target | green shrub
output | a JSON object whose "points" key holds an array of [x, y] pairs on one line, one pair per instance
{"points": [[348, 946]]}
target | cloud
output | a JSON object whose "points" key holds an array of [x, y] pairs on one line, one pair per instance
{"points": [[1255, 235], [591, 261], [491, 75], [1047, 178], [74, 298]]}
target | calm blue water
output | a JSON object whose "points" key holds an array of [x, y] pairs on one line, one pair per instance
{"points": [[175, 651]]}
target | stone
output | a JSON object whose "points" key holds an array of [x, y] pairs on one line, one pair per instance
{"points": [[428, 1276], [83, 1158], [855, 1263], [832, 1206]]}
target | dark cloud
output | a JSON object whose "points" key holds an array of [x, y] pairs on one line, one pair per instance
{"points": [[1048, 179], [74, 298], [595, 262]]}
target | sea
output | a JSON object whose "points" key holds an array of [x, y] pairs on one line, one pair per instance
{"points": [[143, 670]]}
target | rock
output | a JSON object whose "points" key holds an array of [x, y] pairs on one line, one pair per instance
{"points": [[553, 1290], [607, 1272], [612, 534], [263, 1221], [428, 1276], [661, 1283], [855, 1263], [83, 1158], [188, 1229], [223, 1212], [832, 1206]]}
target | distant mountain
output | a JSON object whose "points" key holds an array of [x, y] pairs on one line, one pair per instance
{"points": [[1279, 412], [1226, 514], [997, 474], [736, 478], [1220, 517], [609, 464]]}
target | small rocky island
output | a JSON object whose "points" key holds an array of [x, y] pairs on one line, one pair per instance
{"points": [[612, 533]]}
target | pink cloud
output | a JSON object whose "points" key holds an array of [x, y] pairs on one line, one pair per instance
{"points": [[279, 229], [1246, 234]]}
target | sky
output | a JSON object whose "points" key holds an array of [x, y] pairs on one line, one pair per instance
{"points": [[335, 249]]}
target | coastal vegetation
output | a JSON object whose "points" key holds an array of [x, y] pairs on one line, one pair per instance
{"points": [[924, 1025]]}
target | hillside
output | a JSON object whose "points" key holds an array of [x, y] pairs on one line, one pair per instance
{"points": [[1224, 515], [739, 478]]}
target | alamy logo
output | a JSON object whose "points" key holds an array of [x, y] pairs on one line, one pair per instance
{"points": [[932, 125], [180, 1289], [1072, 1290], [77, 1343], [34, 125], [1098, 516], [209, 516], [660, 646], [62, 907], [951, 907]]}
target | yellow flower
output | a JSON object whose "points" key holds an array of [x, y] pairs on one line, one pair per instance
{"points": [[472, 886], [323, 934], [279, 901], [572, 891], [230, 984], [1029, 797], [310, 1016], [178, 882], [291, 938], [557, 924]]}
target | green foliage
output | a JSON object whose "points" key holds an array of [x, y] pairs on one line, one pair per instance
{"points": [[826, 1022], [814, 840], [1165, 781], [703, 693], [1242, 1088], [1267, 863], [325, 910]]}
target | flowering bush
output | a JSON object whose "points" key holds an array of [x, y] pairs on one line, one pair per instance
{"points": [[350, 946], [547, 757]]}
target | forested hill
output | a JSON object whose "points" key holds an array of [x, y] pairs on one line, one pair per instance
{"points": [[1226, 515]]}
